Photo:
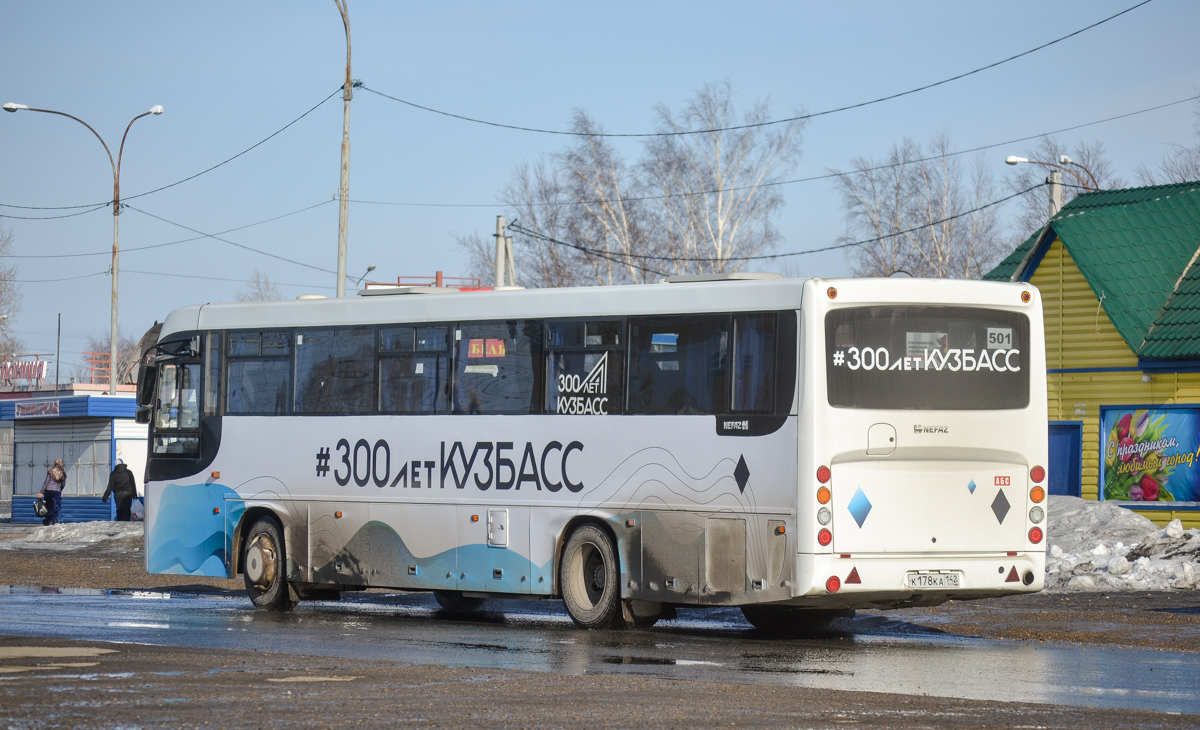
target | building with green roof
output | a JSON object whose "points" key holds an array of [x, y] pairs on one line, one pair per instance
{"points": [[1120, 285]]}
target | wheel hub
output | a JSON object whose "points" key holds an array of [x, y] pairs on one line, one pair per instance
{"points": [[261, 562]]}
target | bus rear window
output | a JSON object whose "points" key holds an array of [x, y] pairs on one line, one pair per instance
{"points": [[927, 358]]}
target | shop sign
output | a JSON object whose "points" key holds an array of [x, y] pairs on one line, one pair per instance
{"points": [[23, 370], [36, 409], [1150, 454]]}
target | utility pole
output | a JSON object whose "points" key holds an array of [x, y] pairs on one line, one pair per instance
{"points": [[501, 248], [1056, 197], [344, 188], [57, 353]]}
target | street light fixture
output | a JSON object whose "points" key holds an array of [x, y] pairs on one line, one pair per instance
{"points": [[359, 279], [116, 205], [1014, 160]]}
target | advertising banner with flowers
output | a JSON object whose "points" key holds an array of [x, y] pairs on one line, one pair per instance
{"points": [[1150, 454]]}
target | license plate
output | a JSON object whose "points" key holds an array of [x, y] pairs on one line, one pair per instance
{"points": [[933, 580]]}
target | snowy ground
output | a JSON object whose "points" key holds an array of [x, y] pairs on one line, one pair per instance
{"points": [[76, 535], [1092, 546], [1102, 547]]}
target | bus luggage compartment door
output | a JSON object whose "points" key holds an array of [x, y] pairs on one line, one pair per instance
{"points": [[922, 507], [486, 565]]}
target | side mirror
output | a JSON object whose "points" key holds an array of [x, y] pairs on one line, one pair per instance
{"points": [[146, 382], [143, 414]]}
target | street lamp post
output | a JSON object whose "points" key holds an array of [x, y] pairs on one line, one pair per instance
{"points": [[116, 206]]}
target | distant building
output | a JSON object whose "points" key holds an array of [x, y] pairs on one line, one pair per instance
{"points": [[1120, 281], [80, 424]]}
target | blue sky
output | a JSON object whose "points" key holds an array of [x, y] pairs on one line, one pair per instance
{"points": [[229, 74]]}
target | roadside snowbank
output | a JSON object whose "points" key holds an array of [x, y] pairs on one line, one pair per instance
{"points": [[79, 534], [1102, 547]]}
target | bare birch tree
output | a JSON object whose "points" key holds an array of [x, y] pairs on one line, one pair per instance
{"points": [[10, 298], [716, 190], [259, 288], [919, 210], [1181, 164], [692, 203]]}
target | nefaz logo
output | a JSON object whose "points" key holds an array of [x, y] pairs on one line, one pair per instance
{"points": [[931, 429], [584, 396]]}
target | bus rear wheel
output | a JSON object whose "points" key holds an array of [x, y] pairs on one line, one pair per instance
{"points": [[264, 566], [589, 579], [785, 622]]}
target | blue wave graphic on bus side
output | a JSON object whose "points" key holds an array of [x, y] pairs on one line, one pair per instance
{"points": [[188, 538], [468, 567]]}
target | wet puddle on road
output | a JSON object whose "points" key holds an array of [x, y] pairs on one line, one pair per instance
{"points": [[879, 655]]}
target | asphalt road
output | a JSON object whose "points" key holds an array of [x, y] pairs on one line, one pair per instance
{"points": [[877, 655]]}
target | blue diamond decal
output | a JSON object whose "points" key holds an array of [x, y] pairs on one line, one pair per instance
{"points": [[860, 507], [971, 486]]}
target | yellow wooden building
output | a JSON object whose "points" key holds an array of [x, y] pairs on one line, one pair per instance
{"points": [[1120, 285]]}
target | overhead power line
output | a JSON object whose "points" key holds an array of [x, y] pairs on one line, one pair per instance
{"points": [[624, 258], [53, 217], [801, 117], [221, 278], [793, 181], [161, 245], [232, 243], [59, 278], [190, 177]]}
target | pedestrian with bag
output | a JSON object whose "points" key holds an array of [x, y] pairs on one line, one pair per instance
{"points": [[52, 488], [123, 488]]}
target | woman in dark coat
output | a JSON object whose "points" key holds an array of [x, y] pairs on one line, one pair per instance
{"points": [[56, 479], [123, 487]]}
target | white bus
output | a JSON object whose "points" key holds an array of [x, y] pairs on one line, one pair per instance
{"points": [[798, 448]]}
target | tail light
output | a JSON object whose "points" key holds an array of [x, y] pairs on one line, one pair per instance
{"points": [[1036, 515], [823, 495], [823, 474], [1037, 494], [1037, 474], [833, 584], [1035, 535], [825, 537]]}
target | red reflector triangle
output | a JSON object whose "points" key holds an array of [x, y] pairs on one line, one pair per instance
{"points": [[1012, 576], [853, 577]]}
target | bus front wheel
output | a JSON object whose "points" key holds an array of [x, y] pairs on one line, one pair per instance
{"points": [[590, 578], [263, 566]]}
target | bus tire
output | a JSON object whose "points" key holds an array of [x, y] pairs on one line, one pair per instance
{"points": [[590, 579], [454, 602], [264, 566], [787, 622]]}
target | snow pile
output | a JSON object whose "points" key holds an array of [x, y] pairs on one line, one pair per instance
{"points": [[1099, 546], [78, 534]]}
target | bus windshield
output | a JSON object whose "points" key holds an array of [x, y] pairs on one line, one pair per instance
{"points": [[927, 358]]}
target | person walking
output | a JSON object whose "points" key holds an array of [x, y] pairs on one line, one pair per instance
{"points": [[123, 488], [52, 488]]}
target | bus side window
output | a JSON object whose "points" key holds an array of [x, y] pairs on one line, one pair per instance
{"points": [[414, 369], [585, 367], [753, 363], [258, 377], [497, 367], [212, 374], [678, 365], [335, 370]]}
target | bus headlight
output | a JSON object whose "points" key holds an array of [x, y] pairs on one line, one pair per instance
{"points": [[824, 515], [1035, 515]]}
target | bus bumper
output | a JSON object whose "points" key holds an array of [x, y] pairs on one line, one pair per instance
{"points": [[894, 581]]}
